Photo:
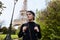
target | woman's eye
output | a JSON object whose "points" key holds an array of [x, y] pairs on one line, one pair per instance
{"points": [[26, 14], [29, 14]]}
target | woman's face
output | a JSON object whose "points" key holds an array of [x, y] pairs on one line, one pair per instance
{"points": [[29, 16]]}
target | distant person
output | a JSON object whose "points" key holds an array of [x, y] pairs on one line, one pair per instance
{"points": [[30, 30]]}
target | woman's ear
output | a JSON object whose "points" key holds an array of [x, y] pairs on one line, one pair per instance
{"points": [[33, 18]]}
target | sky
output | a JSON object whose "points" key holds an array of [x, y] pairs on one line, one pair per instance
{"points": [[7, 12]]}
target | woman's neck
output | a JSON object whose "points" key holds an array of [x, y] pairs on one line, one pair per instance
{"points": [[31, 21]]}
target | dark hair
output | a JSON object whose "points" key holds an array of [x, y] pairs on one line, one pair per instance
{"points": [[32, 14]]}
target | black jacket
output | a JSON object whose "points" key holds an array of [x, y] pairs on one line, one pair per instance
{"points": [[30, 33]]}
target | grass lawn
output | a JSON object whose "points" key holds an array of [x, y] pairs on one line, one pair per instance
{"points": [[2, 36]]}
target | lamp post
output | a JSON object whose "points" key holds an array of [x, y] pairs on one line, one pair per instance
{"points": [[8, 36]]}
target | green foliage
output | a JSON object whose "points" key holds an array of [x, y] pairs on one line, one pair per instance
{"points": [[1, 7], [2, 36], [0, 4], [49, 19], [4, 30]]}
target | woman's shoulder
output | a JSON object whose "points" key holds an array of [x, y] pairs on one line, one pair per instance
{"points": [[37, 24], [24, 24]]}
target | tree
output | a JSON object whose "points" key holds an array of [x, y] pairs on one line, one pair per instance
{"points": [[51, 19], [1, 7], [4, 30]]}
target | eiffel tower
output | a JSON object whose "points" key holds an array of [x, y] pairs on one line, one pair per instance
{"points": [[18, 22], [23, 11]]}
